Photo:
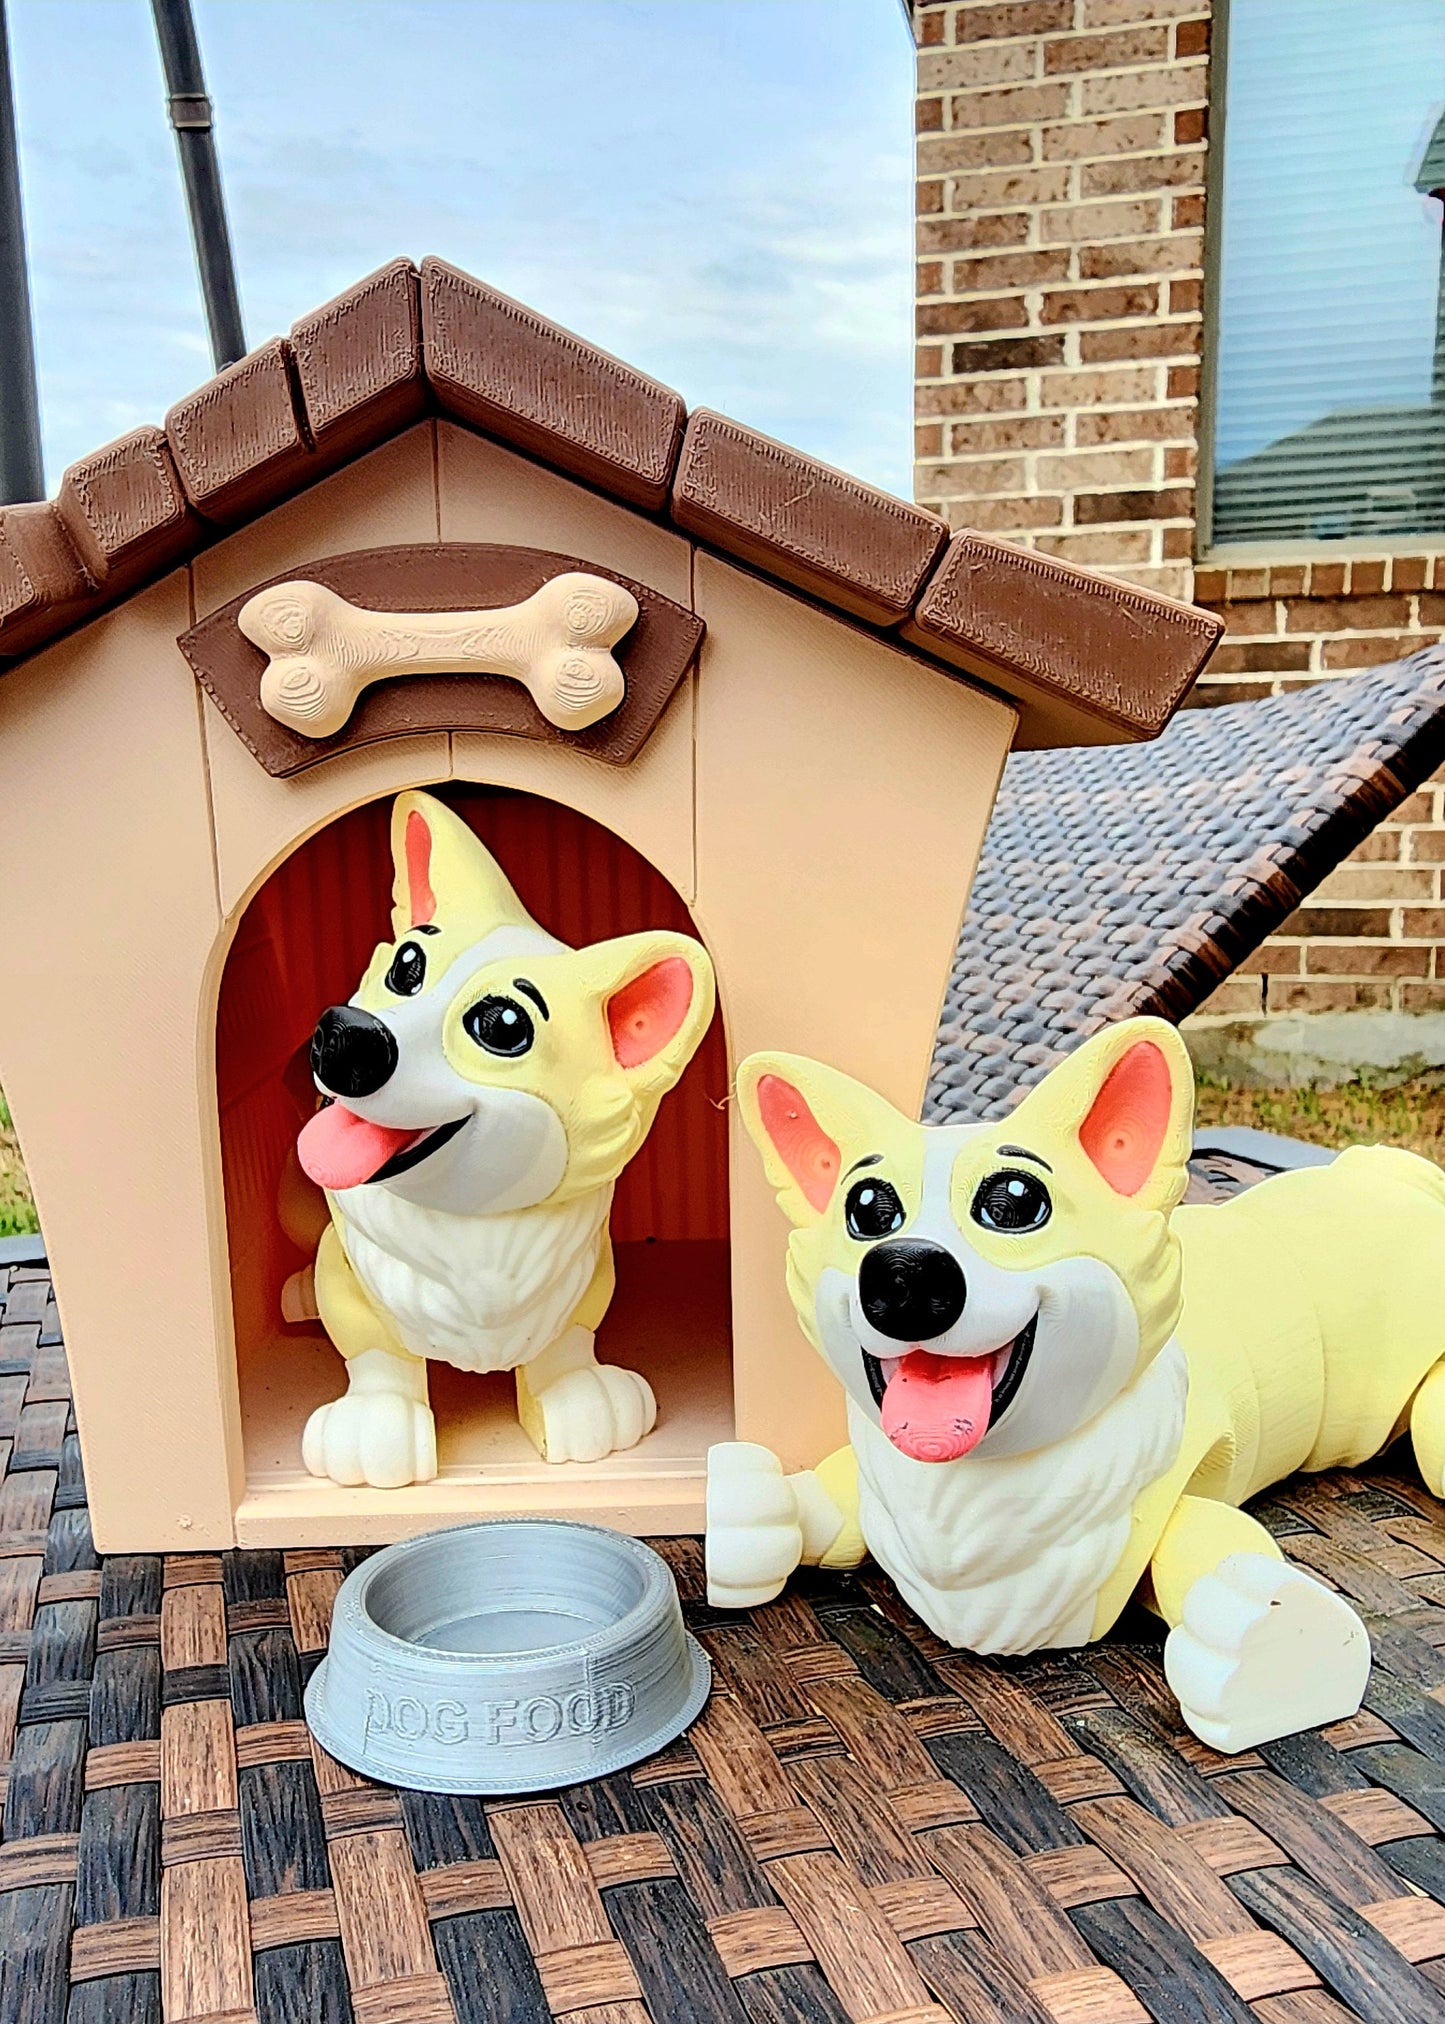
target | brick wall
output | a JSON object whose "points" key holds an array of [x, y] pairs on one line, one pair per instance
{"points": [[1062, 156]]}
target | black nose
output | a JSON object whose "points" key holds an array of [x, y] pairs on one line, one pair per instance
{"points": [[911, 1291], [352, 1053]]}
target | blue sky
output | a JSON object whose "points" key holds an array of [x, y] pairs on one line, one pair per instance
{"points": [[718, 190], [1330, 257]]}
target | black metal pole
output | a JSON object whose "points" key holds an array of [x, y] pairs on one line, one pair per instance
{"points": [[22, 473], [190, 115]]}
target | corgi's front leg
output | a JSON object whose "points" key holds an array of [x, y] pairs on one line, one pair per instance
{"points": [[575, 1409], [381, 1431], [1258, 1649], [762, 1525]]}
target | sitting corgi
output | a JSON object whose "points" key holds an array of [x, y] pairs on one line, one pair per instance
{"points": [[1061, 1386], [481, 1093]]}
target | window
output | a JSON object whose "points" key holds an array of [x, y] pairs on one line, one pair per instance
{"points": [[1329, 392]]}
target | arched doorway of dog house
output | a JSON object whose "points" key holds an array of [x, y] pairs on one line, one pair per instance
{"points": [[302, 944]]}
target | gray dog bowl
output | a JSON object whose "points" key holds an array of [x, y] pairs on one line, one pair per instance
{"points": [[513, 1656]]}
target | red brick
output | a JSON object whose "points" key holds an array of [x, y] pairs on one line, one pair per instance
{"points": [[1016, 432], [1092, 509], [1109, 548], [1012, 516], [1107, 52], [950, 319], [1188, 212], [1245, 584], [1178, 543], [1339, 922], [1346, 614], [930, 29], [1010, 270], [1367, 959], [974, 151], [1023, 17], [1287, 580], [928, 198], [972, 397], [1427, 846], [985, 477], [1131, 175], [1025, 105], [1136, 90], [1422, 997], [928, 116], [989, 189], [1182, 383], [1186, 297], [1081, 138], [1381, 846], [1140, 256], [1099, 305], [1210, 584], [1191, 38], [959, 235], [1366, 578], [928, 361], [1009, 354], [1424, 923], [929, 278], [1327, 579], [1432, 608], [928, 440], [1273, 959], [1409, 572], [1190, 126], [1414, 808], [1136, 425], [1259, 657], [1181, 462], [1249, 620], [1288, 995], [1157, 340], [1235, 996]]}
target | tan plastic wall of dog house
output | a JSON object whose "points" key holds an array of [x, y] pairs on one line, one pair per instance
{"points": [[817, 797]]}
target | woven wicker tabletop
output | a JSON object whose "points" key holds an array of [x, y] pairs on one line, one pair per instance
{"points": [[864, 1825]]}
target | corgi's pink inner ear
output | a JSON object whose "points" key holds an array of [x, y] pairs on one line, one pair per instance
{"points": [[801, 1143], [1125, 1130], [418, 869], [645, 1014]]}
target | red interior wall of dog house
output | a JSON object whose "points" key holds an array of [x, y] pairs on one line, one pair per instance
{"points": [[303, 944]]}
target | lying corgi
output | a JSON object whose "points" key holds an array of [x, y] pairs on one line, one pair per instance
{"points": [[1060, 1386], [481, 1093]]}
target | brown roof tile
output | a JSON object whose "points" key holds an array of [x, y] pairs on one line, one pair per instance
{"points": [[1071, 645], [1086, 659], [238, 441], [501, 366], [801, 520], [125, 511], [43, 583], [358, 363]]}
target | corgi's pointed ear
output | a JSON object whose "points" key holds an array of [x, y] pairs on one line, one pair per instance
{"points": [[808, 1121], [1127, 1098], [657, 993], [444, 872]]}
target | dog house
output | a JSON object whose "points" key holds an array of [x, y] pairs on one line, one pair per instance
{"points": [[818, 693]]}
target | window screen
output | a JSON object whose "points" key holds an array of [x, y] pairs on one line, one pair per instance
{"points": [[1330, 374]]}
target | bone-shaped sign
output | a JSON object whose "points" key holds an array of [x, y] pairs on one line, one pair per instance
{"points": [[323, 651]]}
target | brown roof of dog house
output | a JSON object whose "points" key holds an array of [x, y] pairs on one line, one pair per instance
{"points": [[811, 705]]}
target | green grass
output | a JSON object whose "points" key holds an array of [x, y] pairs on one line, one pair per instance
{"points": [[17, 1209], [1412, 1116]]}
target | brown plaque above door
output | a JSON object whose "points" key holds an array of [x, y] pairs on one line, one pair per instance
{"points": [[443, 576]]}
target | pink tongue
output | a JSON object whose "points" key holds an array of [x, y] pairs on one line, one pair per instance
{"points": [[935, 1408], [338, 1149]]}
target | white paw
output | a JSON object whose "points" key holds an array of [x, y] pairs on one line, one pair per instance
{"points": [[1264, 1650], [594, 1411], [378, 1437], [754, 1534]]}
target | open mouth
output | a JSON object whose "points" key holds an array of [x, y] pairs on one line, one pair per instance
{"points": [[935, 1408], [338, 1149]]}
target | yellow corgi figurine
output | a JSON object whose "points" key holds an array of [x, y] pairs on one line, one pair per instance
{"points": [[1061, 1386], [481, 1093]]}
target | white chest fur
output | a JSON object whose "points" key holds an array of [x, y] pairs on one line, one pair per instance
{"points": [[1010, 1554], [481, 1292]]}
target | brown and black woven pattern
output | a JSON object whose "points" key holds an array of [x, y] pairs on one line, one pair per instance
{"points": [[1128, 879]]}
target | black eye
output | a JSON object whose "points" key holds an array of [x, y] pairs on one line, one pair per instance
{"points": [[500, 1025], [1012, 1202], [408, 970], [872, 1210]]}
